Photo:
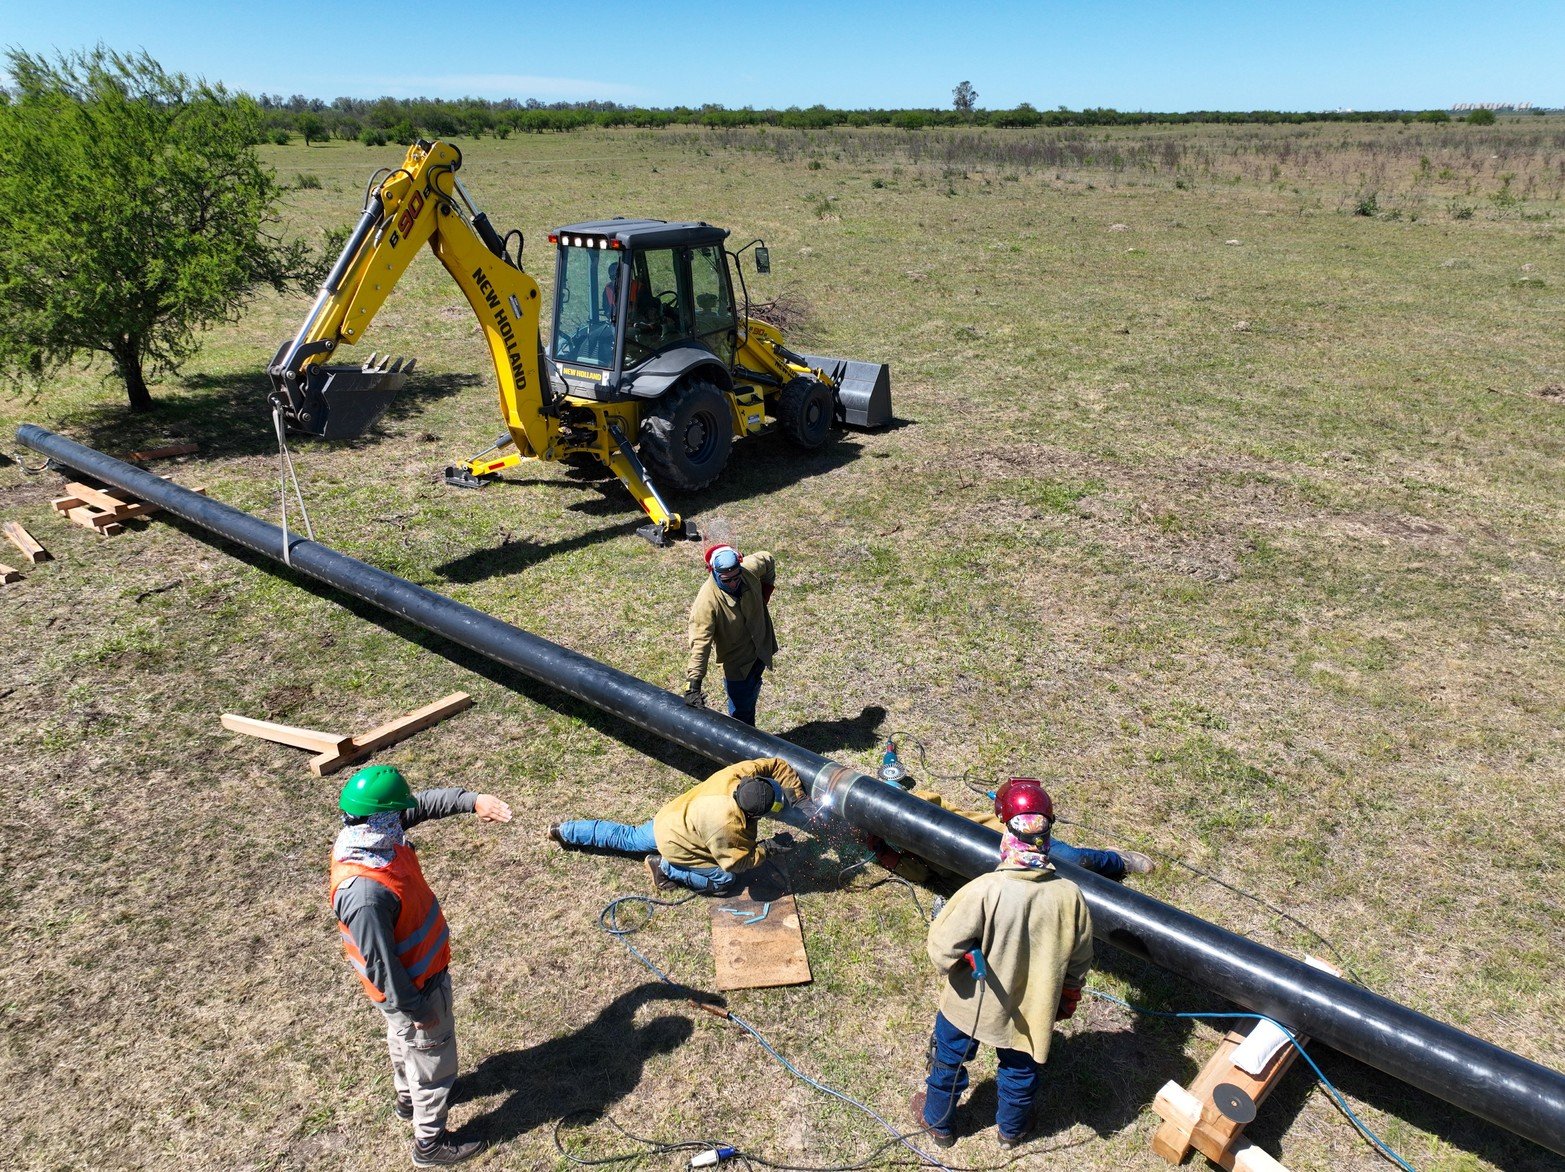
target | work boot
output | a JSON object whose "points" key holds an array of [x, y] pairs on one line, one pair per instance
{"points": [[404, 1108], [940, 1137], [444, 1150], [552, 834], [660, 881], [1137, 863], [1010, 1142]]}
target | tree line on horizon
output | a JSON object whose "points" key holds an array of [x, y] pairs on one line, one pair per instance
{"points": [[380, 120]]}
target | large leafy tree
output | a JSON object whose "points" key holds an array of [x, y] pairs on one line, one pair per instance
{"points": [[134, 213]]}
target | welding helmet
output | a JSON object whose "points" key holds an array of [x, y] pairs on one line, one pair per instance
{"points": [[376, 789], [761, 795], [1023, 795]]}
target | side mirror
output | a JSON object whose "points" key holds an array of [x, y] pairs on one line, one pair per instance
{"points": [[763, 260]]}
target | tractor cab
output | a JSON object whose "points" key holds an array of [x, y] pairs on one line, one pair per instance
{"points": [[636, 300]]}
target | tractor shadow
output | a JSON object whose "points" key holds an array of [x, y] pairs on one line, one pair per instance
{"points": [[756, 469], [228, 416], [543, 1083]]}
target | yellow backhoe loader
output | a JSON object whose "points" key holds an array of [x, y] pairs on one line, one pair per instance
{"points": [[653, 371]]}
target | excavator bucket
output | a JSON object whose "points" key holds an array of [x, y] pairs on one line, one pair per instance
{"points": [[863, 389], [343, 402]]}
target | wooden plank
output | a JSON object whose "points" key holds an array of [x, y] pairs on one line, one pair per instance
{"points": [[757, 940], [1180, 1113], [109, 500], [287, 734], [24, 541], [160, 453], [95, 519], [390, 733], [8, 575], [64, 504]]}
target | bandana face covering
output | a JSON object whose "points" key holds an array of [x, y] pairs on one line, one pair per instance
{"points": [[1026, 842], [371, 843]]}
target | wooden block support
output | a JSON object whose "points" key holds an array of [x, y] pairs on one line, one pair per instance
{"points": [[102, 509], [8, 575], [390, 733], [757, 941], [286, 734], [23, 541]]}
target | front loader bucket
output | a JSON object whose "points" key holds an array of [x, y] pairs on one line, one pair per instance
{"points": [[863, 389], [343, 402]]}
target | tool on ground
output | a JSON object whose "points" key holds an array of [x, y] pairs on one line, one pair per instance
{"points": [[653, 368], [891, 769]]}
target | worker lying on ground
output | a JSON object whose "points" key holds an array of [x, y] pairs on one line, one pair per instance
{"points": [[705, 837], [1110, 864], [396, 939], [1014, 946]]}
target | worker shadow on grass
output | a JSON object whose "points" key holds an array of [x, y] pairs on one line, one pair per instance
{"points": [[228, 416], [543, 1083], [846, 734]]}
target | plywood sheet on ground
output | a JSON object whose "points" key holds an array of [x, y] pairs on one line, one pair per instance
{"points": [[757, 939]]}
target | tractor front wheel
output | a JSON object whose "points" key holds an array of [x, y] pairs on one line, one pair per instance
{"points": [[686, 437], [805, 409]]}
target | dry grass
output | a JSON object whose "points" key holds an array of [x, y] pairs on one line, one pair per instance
{"points": [[1283, 601]]}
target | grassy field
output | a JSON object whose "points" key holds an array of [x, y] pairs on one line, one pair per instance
{"points": [[1225, 494]]}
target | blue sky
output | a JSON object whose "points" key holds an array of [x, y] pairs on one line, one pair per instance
{"points": [[1129, 54]]}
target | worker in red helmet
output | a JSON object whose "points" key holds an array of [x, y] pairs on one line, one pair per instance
{"points": [[1111, 864], [1014, 946], [396, 939], [731, 620]]}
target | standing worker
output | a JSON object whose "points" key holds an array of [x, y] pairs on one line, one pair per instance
{"points": [[729, 619], [396, 939], [1014, 945], [706, 836]]}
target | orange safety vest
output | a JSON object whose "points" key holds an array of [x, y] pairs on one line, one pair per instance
{"points": [[422, 938]]}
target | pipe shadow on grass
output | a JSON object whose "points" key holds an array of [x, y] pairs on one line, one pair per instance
{"points": [[588, 1070]]}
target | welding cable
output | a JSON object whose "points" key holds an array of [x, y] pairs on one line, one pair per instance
{"points": [[890, 877], [1336, 1096], [609, 921]]}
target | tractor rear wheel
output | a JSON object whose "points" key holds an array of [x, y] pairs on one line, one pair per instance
{"points": [[805, 409], [686, 437]]}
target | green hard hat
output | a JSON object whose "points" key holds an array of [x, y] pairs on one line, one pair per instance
{"points": [[376, 789]]}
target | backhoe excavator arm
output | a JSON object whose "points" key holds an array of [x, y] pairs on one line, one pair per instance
{"points": [[419, 202]]}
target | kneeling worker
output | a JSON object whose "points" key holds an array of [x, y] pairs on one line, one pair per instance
{"points": [[705, 837], [396, 939], [1014, 946]]}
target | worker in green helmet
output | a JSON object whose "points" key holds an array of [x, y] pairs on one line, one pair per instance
{"points": [[396, 939]]}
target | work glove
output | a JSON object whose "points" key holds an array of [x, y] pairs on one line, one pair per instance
{"points": [[766, 591], [1069, 998], [694, 697], [779, 844]]}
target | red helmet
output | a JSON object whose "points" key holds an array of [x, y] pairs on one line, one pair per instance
{"points": [[712, 551], [1022, 795]]}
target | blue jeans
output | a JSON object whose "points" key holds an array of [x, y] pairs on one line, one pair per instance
{"points": [[1016, 1081], [742, 694], [639, 840], [1105, 863]]}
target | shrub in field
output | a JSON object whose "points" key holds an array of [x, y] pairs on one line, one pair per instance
{"points": [[307, 181], [135, 268], [1367, 204], [1481, 118]]}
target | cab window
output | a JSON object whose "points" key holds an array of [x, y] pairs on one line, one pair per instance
{"points": [[657, 303], [714, 303], [584, 306]]}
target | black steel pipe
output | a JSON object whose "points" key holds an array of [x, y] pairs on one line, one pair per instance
{"points": [[1504, 1088]]}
